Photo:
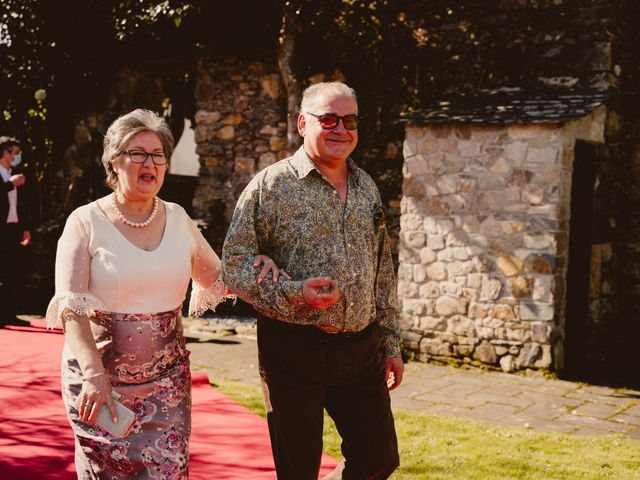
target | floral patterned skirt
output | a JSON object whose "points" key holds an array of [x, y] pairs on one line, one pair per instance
{"points": [[149, 365]]}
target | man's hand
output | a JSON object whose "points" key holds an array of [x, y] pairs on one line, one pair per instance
{"points": [[320, 292], [17, 180], [393, 370]]}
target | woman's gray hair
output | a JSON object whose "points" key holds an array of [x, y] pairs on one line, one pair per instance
{"points": [[123, 129], [316, 89]]}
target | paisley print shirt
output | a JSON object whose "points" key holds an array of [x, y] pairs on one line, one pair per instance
{"points": [[290, 212]]}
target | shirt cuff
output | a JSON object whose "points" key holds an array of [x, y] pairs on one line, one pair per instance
{"points": [[390, 347], [203, 299], [293, 292]]}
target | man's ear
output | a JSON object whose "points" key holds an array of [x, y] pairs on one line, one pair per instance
{"points": [[302, 124]]}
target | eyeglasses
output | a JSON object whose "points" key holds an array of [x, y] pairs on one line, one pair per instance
{"points": [[329, 121], [140, 156]]}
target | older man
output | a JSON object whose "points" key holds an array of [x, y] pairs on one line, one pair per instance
{"points": [[14, 231], [329, 336]]}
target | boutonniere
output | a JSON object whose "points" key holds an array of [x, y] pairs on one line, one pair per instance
{"points": [[379, 216]]}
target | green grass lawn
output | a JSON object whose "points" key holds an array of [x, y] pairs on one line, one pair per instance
{"points": [[438, 447]]}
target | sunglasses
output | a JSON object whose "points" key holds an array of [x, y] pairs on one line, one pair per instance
{"points": [[329, 121]]}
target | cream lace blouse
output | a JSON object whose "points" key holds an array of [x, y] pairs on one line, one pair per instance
{"points": [[98, 269]]}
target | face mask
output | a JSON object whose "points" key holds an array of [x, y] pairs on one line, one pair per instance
{"points": [[16, 160]]}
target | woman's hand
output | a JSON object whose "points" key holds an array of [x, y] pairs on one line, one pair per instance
{"points": [[269, 266], [94, 393]]}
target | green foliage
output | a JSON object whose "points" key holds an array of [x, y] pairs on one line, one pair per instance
{"points": [[43, 49], [131, 15], [398, 54], [23, 50], [187, 28], [22, 44]]}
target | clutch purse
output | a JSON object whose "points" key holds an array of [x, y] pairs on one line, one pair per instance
{"points": [[126, 418]]}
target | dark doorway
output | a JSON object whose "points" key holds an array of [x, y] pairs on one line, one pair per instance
{"points": [[596, 338], [579, 355]]}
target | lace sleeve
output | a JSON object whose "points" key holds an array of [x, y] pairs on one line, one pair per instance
{"points": [[203, 299], [79, 303]]}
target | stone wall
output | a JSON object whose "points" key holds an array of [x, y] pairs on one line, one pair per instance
{"points": [[240, 129], [484, 241]]}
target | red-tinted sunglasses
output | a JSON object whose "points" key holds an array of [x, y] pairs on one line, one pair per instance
{"points": [[329, 121]]}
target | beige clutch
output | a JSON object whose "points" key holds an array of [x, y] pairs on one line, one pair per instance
{"points": [[126, 418]]}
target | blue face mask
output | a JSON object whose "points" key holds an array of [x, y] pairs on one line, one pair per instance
{"points": [[16, 160]]}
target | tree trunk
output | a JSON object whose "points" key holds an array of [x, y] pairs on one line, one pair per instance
{"points": [[291, 84]]}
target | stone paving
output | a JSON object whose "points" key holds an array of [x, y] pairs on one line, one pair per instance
{"points": [[226, 349]]}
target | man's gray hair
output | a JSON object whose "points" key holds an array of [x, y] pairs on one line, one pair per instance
{"points": [[316, 89], [123, 129]]}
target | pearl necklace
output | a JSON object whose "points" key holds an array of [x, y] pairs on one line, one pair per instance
{"points": [[126, 221]]}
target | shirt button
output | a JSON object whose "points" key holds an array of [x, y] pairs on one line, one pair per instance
{"points": [[351, 304], [335, 192]]}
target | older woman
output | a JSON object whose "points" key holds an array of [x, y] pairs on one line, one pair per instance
{"points": [[122, 270]]}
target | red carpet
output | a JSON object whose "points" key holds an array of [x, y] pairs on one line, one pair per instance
{"points": [[228, 441]]}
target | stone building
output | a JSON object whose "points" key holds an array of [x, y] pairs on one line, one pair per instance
{"points": [[486, 212], [519, 229], [240, 129]]}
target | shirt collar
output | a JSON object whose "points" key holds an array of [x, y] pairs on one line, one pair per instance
{"points": [[302, 165]]}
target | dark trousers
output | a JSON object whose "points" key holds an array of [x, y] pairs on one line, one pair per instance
{"points": [[306, 371], [11, 274]]}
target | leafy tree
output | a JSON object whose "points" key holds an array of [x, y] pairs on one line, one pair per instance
{"points": [[398, 54], [75, 46]]}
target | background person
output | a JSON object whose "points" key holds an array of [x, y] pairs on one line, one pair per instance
{"points": [[328, 338], [14, 228]]}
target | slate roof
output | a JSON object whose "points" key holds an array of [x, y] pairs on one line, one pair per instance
{"points": [[511, 105]]}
